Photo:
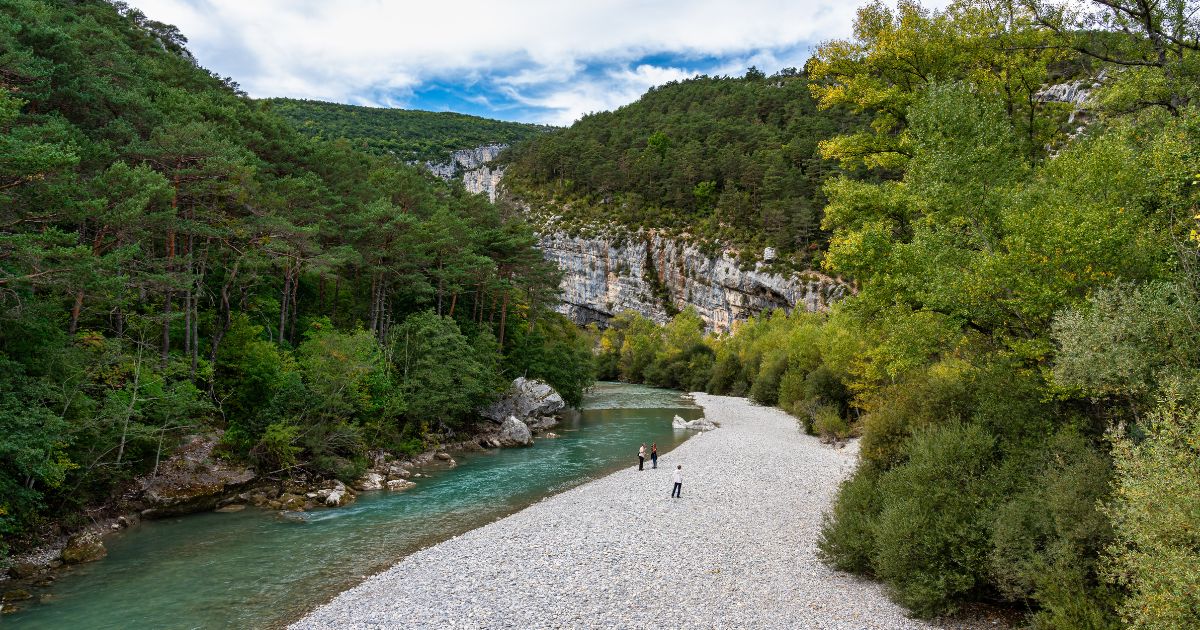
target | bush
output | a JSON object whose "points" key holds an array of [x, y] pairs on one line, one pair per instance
{"points": [[1154, 513], [848, 532], [828, 423], [933, 529], [276, 449], [1047, 538], [765, 390]]}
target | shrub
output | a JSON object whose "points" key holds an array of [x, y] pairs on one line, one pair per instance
{"points": [[1154, 513], [847, 532], [1047, 537], [933, 528], [277, 449], [765, 390], [827, 422]]}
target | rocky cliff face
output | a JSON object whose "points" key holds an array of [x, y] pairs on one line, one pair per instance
{"points": [[473, 167], [658, 276], [648, 273]]}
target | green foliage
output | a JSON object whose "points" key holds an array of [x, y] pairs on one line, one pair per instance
{"points": [[176, 258], [554, 350], [847, 539], [829, 423], [443, 378], [933, 528], [1155, 509], [715, 157], [406, 134]]}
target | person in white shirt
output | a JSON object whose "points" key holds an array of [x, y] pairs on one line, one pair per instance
{"points": [[677, 491], [642, 457]]}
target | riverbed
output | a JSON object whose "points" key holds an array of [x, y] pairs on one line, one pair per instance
{"points": [[259, 568]]}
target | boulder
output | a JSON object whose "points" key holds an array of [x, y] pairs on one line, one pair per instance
{"points": [[23, 570], [17, 595], [370, 481], [516, 433], [443, 456], [699, 424], [232, 507], [291, 502], [192, 480], [542, 423], [399, 485], [83, 547], [525, 398], [339, 496]]}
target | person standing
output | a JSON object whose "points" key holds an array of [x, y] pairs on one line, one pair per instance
{"points": [[642, 457], [654, 455], [677, 491]]}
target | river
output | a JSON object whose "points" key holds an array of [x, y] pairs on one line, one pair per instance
{"points": [[256, 568]]}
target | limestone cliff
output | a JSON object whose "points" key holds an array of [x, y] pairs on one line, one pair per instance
{"points": [[649, 273], [473, 167], [658, 276]]}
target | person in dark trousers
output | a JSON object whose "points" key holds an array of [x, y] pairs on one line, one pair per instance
{"points": [[654, 455], [677, 491], [642, 457]]}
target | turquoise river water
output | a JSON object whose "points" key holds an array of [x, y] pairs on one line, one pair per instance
{"points": [[256, 568]]}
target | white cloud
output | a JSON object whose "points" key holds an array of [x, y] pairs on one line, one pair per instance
{"points": [[536, 51]]}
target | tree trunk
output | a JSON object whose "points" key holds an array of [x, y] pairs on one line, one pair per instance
{"points": [[503, 317], [283, 305]]}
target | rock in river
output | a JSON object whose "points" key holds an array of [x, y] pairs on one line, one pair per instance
{"points": [[83, 547], [525, 398], [192, 480], [369, 481], [699, 424], [515, 432]]}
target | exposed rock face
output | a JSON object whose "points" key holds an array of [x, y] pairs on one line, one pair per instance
{"points": [[646, 273], [525, 399], [515, 432], [192, 480], [472, 166], [370, 481], [83, 547]]}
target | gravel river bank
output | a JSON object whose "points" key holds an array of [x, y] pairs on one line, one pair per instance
{"points": [[736, 551]]}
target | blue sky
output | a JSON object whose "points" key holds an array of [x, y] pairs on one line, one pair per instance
{"points": [[546, 61]]}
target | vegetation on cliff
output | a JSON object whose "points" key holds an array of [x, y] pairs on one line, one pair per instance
{"points": [[408, 134], [734, 159], [175, 258], [1021, 360]]}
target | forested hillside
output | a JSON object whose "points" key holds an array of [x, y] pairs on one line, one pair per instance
{"points": [[734, 159], [176, 259], [408, 134], [1022, 360]]}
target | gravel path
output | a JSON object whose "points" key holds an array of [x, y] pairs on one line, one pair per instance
{"points": [[737, 551]]}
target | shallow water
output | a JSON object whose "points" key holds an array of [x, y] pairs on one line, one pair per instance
{"points": [[256, 568]]}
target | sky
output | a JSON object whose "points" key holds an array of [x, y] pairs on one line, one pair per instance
{"points": [[544, 61]]}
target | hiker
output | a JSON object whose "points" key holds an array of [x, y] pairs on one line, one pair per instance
{"points": [[654, 455], [642, 457], [677, 491]]}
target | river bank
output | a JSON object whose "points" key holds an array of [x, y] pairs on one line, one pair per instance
{"points": [[737, 550]]}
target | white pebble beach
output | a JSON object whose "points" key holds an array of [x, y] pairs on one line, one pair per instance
{"points": [[738, 550]]}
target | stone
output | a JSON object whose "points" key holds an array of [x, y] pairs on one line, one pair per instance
{"points": [[444, 456], [370, 481], [549, 435], [542, 423], [699, 424], [23, 570], [768, 254], [515, 432], [399, 485], [232, 507], [291, 502], [83, 547], [17, 595], [193, 480], [525, 398], [339, 496]]}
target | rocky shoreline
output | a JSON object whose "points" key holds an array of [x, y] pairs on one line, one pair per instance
{"points": [[738, 550], [194, 479]]}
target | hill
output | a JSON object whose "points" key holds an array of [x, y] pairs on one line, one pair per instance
{"points": [[734, 159], [405, 133]]}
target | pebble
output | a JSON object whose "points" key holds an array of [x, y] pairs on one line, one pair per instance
{"points": [[738, 550]]}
